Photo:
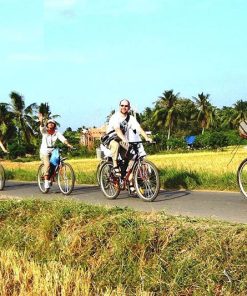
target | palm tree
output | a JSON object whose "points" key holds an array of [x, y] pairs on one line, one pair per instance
{"points": [[7, 127], [109, 116], [146, 118], [205, 111], [225, 117], [167, 111], [23, 117], [240, 112], [45, 110]]}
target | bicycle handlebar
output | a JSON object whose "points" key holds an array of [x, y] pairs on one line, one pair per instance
{"points": [[139, 142]]}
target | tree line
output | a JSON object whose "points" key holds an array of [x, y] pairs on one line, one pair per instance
{"points": [[171, 119]]}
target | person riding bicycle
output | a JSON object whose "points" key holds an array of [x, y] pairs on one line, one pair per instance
{"points": [[49, 137], [121, 124]]}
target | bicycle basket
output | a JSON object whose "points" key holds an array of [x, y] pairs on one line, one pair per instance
{"points": [[55, 157], [243, 129]]}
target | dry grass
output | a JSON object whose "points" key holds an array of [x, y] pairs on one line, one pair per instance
{"points": [[67, 248]]}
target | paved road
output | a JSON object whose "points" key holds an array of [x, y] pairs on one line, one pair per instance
{"points": [[226, 206]]}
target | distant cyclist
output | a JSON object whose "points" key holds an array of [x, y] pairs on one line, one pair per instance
{"points": [[49, 138], [120, 127]]}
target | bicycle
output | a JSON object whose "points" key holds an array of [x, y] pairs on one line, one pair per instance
{"points": [[242, 177], [63, 173], [145, 176], [2, 177]]}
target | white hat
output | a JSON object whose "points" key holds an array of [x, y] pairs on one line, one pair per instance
{"points": [[51, 121]]}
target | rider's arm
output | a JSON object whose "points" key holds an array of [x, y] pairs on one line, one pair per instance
{"points": [[67, 144], [135, 125], [120, 134], [63, 140], [41, 124], [145, 136]]}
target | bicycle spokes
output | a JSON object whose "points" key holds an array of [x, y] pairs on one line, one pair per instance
{"points": [[66, 178], [146, 179], [108, 182]]}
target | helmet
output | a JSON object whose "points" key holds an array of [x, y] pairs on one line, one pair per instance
{"points": [[51, 121]]}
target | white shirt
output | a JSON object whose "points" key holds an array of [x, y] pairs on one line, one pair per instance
{"points": [[48, 141], [118, 121]]}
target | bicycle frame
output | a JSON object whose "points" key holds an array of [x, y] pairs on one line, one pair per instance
{"points": [[124, 180], [54, 174]]}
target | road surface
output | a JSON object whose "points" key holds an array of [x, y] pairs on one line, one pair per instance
{"points": [[227, 206]]}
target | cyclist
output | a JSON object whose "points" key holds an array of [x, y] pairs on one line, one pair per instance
{"points": [[121, 125], [49, 137]]}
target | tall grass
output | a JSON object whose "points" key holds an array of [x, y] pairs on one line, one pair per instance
{"points": [[195, 170], [68, 248]]}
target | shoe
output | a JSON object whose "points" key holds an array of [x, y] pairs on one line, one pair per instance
{"points": [[132, 191], [47, 184]]}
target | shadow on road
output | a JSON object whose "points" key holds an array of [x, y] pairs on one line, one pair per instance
{"points": [[81, 190]]}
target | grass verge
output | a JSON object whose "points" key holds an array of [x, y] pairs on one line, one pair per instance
{"points": [[68, 248]]}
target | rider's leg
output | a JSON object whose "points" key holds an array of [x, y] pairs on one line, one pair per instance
{"points": [[46, 161], [114, 147]]}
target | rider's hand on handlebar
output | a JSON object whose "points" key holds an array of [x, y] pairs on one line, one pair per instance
{"points": [[149, 140], [70, 146]]}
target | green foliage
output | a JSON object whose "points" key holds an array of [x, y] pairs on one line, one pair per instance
{"points": [[20, 150], [176, 143], [215, 140]]}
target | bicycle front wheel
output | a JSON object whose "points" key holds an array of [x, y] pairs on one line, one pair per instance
{"points": [[66, 178], [242, 177], [41, 179], [98, 171], [2, 177], [146, 180], [109, 184]]}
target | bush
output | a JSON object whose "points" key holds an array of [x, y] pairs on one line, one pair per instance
{"points": [[217, 140], [176, 143]]}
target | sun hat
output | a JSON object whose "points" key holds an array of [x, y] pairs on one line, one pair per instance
{"points": [[51, 121]]}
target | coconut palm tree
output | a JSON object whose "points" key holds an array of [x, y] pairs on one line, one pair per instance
{"points": [[45, 110], [110, 115], [240, 112], [146, 119], [23, 117], [7, 127], [205, 111], [167, 111]]}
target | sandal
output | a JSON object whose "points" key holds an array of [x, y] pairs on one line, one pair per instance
{"points": [[116, 172], [132, 191]]}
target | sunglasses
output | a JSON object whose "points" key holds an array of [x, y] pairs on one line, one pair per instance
{"points": [[124, 106]]}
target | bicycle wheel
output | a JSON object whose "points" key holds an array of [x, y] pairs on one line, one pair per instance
{"points": [[41, 179], [2, 177], [146, 180], [98, 171], [109, 184], [66, 178], [242, 177]]}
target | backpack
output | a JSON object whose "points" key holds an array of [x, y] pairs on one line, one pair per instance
{"points": [[107, 138], [55, 157]]}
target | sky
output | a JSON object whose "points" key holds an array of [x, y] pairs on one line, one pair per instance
{"points": [[84, 56]]}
